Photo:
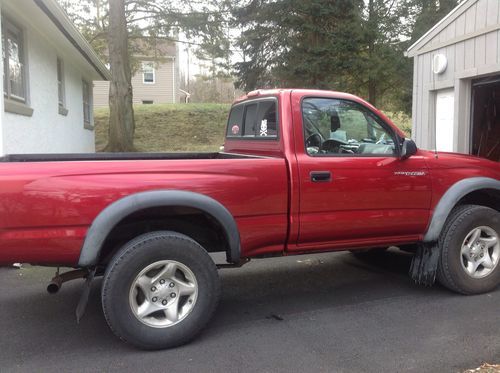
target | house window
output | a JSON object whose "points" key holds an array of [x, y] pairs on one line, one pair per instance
{"points": [[14, 73], [60, 87], [148, 73], [86, 105], [147, 102]]}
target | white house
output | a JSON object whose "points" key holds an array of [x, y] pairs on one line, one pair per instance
{"points": [[48, 72], [456, 81]]}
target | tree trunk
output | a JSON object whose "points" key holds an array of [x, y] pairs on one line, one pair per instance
{"points": [[372, 92], [121, 112], [372, 32]]}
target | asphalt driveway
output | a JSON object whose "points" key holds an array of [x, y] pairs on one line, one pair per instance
{"points": [[318, 313]]}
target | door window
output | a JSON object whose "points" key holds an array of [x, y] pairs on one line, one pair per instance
{"points": [[341, 127]]}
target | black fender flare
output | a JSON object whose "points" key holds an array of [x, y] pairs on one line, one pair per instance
{"points": [[449, 200], [116, 211]]}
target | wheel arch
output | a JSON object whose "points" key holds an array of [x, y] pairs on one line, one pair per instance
{"points": [[475, 190], [119, 210]]}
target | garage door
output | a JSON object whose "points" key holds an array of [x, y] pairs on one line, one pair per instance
{"points": [[445, 108]]}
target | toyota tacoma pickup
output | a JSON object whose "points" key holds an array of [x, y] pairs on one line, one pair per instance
{"points": [[301, 171]]}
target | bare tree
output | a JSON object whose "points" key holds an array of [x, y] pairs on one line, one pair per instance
{"points": [[121, 118]]}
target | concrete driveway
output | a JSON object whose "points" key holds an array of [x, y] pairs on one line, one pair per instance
{"points": [[318, 313]]}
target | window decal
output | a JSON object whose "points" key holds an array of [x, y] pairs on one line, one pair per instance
{"points": [[263, 127]]}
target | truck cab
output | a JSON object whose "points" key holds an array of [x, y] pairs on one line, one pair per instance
{"points": [[350, 186]]}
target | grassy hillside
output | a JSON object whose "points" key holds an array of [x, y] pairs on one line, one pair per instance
{"points": [[181, 127], [172, 127]]}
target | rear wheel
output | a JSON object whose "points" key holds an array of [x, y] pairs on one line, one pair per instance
{"points": [[160, 290], [470, 250]]}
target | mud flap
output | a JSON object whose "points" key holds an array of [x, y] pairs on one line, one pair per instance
{"points": [[84, 298], [424, 264]]}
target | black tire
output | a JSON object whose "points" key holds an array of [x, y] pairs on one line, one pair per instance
{"points": [[122, 272], [451, 273]]}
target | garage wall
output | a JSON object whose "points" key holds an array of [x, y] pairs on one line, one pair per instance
{"points": [[471, 44]]}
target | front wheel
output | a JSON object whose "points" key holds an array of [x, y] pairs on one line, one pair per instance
{"points": [[160, 290], [470, 250]]}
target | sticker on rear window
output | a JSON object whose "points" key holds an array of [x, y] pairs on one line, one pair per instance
{"points": [[263, 127], [235, 129]]}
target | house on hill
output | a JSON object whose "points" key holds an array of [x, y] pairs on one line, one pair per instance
{"points": [[456, 85], [156, 80], [48, 72]]}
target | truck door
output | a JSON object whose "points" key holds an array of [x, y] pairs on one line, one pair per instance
{"points": [[354, 188]]}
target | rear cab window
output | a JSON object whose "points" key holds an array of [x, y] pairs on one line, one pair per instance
{"points": [[255, 120]]}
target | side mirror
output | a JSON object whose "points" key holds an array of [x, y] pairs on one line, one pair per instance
{"points": [[408, 149]]}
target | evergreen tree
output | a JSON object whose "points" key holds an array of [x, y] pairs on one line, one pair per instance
{"points": [[382, 66], [352, 45], [430, 12], [296, 43]]}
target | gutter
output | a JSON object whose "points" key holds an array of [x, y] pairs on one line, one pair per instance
{"points": [[57, 15]]}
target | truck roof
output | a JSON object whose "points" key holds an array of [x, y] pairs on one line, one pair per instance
{"points": [[302, 91]]}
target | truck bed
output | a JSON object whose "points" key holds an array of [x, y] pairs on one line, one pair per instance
{"points": [[48, 201], [116, 156]]}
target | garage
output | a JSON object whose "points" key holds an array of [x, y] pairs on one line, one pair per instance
{"points": [[486, 118], [456, 82]]}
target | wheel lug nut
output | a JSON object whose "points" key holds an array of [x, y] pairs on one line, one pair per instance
{"points": [[164, 302], [162, 281], [173, 295], [153, 288], [171, 284], [481, 255], [154, 299]]}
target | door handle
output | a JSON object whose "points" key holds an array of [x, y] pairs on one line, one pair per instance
{"points": [[321, 176]]}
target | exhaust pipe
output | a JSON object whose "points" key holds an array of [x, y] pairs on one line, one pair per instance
{"points": [[56, 283]]}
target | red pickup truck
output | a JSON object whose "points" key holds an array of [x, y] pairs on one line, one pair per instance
{"points": [[302, 171]]}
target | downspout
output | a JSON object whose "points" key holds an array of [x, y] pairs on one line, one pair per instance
{"points": [[188, 95], [173, 80]]}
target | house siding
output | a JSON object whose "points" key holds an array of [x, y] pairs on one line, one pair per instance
{"points": [[46, 131], [162, 91], [471, 43]]}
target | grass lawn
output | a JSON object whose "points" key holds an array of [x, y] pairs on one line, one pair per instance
{"points": [[171, 127], [185, 127]]}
